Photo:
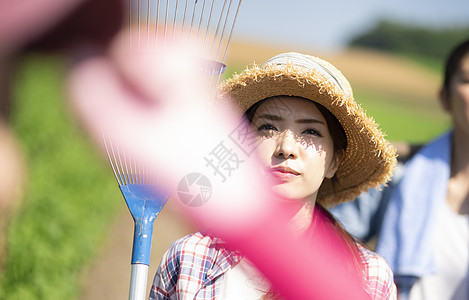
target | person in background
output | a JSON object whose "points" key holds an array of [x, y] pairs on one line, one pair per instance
{"points": [[422, 220]]}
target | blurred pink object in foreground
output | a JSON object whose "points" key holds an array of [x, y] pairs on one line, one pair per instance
{"points": [[52, 24], [155, 105]]}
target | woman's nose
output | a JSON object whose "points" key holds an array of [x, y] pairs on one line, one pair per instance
{"points": [[286, 145]]}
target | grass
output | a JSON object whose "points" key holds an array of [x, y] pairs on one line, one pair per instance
{"points": [[403, 120], [70, 197]]}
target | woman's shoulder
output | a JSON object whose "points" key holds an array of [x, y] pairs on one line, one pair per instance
{"points": [[373, 259], [197, 244], [194, 242], [192, 239], [379, 276]]}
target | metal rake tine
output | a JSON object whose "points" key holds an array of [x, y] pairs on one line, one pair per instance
{"points": [[110, 159], [138, 167], [133, 171], [141, 174], [200, 23], [152, 177], [120, 171], [147, 175], [183, 22], [208, 25], [192, 21], [148, 22], [231, 33], [174, 21], [138, 23], [119, 168], [165, 22], [122, 165], [138, 172], [211, 87], [157, 21], [128, 166], [218, 26], [223, 30], [130, 23]]}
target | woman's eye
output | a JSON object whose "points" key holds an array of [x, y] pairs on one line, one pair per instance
{"points": [[266, 127], [312, 131]]}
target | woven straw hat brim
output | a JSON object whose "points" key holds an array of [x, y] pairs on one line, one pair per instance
{"points": [[369, 159]]}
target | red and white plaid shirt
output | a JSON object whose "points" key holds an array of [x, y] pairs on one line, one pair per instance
{"points": [[194, 268]]}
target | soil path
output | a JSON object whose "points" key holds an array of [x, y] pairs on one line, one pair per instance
{"points": [[109, 275]]}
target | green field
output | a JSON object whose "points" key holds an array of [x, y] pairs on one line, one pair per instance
{"points": [[403, 120], [72, 197]]}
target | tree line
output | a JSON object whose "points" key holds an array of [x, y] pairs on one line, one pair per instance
{"points": [[411, 40]]}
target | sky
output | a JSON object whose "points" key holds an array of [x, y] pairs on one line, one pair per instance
{"points": [[329, 24]]}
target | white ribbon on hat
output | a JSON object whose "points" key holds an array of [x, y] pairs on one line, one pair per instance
{"points": [[307, 62]]}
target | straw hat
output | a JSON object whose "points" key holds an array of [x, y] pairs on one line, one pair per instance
{"points": [[369, 159]]}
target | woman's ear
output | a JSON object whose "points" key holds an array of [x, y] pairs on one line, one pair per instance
{"points": [[334, 165]]}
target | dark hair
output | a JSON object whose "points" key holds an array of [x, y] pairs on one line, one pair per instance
{"points": [[335, 129], [453, 62], [345, 248]]}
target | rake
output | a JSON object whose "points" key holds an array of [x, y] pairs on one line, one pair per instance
{"points": [[145, 199], [207, 24]]}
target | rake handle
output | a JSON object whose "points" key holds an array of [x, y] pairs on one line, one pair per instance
{"points": [[145, 202], [141, 248], [138, 282]]}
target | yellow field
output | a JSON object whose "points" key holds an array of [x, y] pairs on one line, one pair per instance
{"points": [[364, 68]]}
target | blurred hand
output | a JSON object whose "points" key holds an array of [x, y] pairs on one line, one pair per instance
{"points": [[155, 106], [54, 24]]}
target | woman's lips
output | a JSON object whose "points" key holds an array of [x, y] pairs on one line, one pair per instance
{"points": [[284, 173]]}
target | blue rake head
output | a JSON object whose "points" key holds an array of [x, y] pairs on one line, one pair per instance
{"points": [[143, 196]]}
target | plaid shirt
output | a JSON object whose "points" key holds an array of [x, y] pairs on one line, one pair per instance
{"points": [[194, 268]]}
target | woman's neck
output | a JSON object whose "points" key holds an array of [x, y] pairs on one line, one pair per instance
{"points": [[458, 189], [460, 154], [301, 218]]}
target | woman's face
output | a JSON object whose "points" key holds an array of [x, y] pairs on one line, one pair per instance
{"points": [[295, 147], [458, 102]]}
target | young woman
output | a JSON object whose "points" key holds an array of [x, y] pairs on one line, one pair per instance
{"points": [[317, 148]]}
